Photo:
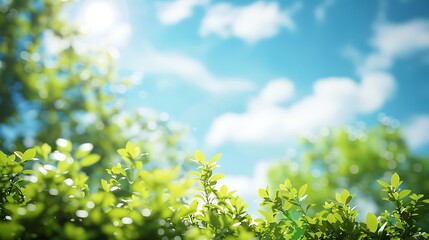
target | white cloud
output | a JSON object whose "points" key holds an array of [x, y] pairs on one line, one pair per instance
{"points": [[320, 10], [393, 41], [173, 12], [417, 132], [191, 70], [277, 91], [334, 101], [250, 23]]}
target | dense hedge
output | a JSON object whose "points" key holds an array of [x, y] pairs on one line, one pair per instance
{"points": [[44, 195]]}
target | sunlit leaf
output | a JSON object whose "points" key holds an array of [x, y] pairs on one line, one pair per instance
{"points": [[371, 222], [216, 177], [395, 180], [302, 190], [199, 157], [262, 193], [404, 193], [29, 154], [89, 160], [215, 158]]}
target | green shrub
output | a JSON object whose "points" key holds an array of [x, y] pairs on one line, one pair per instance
{"points": [[45, 195]]}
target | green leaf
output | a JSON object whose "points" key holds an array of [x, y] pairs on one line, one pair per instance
{"points": [[133, 150], [139, 165], [216, 177], [28, 172], [215, 158], [395, 180], [90, 160], [287, 205], [117, 169], [199, 156], [345, 196], [263, 193], [223, 190], [371, 222], [105, 185], [287, 184], [29, 154], [194, 205], [3, 157], [45, 150], [268, 217], [404, 193], [383, 183], [302, 190]]}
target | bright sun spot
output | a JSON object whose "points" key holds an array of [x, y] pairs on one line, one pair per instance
{"points": [[98, 16]]}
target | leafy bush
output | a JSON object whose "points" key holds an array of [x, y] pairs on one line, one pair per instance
{"points": [[352, 158], [45, 195]]}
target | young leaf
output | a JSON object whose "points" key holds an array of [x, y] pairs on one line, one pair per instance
{"points": [[216, 177], [268, 217], [287, 184], [117, 169], [29, 154], [262, 193], [345, 196], [395, 180], [383, 183], [89, 160], [223, 190], [404, 193], [105, 185], [199, 156], [215, 158], [124, 154], [133, 150], [302, 190], [45, 150], [371, 222]]}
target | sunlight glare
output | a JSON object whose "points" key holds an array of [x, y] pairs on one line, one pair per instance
{"points": [[98, 16]]}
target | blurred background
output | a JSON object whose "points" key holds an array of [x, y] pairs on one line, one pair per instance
{"points": [[333, 93]]}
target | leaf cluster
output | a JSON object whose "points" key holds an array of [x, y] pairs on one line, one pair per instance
{"points": [[45, 195]]}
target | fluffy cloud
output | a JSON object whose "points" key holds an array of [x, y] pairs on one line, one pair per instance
{"points": [[191, 70], [173, 12], [277, 91], [251, 23], [334, 101], [417, 132], [392, 41]]}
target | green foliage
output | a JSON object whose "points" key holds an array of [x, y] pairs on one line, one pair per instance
{"points": [[45, 195], [352, 158], [86, 189], [69, 93]]}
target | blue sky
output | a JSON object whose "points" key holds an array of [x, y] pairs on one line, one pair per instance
{"points": [[249, 77]]}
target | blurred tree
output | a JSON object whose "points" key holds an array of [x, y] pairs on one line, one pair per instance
{"points": [[53, 86], [351, 158]]}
